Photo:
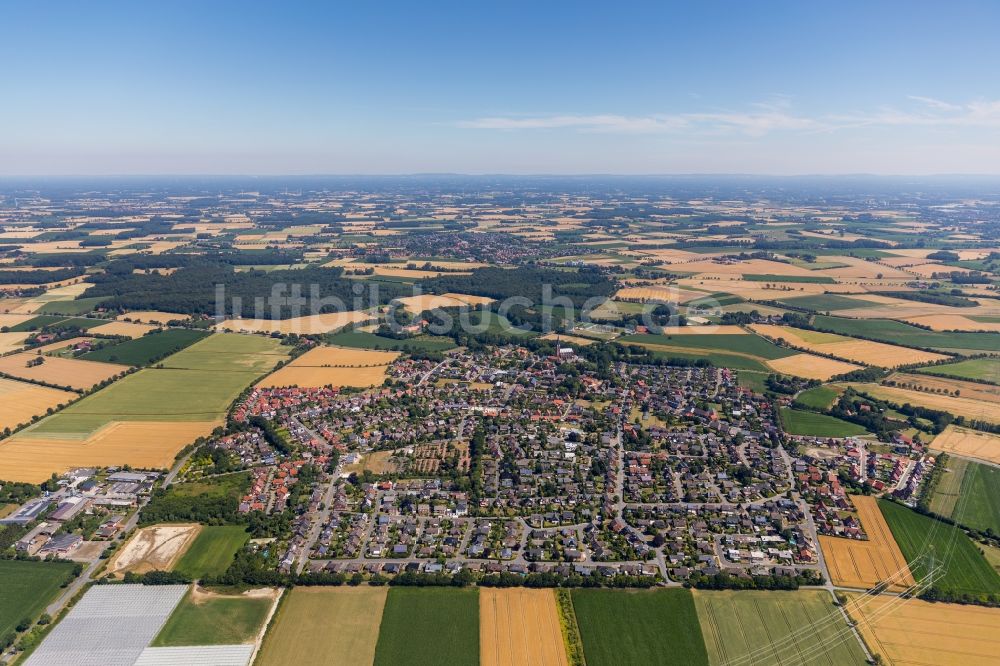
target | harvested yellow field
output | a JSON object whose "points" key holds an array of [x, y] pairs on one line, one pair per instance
{"points": [[859, 268], [141, 444], [519, 626], [568, 339], [973, 390], [970, 408], [748, 267], [333, 366], [668, 256], [431, 301], [71, 372], [123, 328], [666, 293], [853, 349], [969, 443], [156, 548], [865, 564], [917, 632], [20, 401], [950, 322], [11, 341], [810, 367], [8, 319], [312, 324], [152, 317]]}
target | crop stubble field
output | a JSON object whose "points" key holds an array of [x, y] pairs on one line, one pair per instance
{"points": [[917, 633], [20, 401], [864, 564], [334, 366], [775, 628], [302, 630], [971, 443], [145, 418], [71, 372], [519, 626]]}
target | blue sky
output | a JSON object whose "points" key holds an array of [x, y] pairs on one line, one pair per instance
{"points": [[515, 87]]}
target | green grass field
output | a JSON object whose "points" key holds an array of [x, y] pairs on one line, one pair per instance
{"points": [[364, 340], [984, 369], [895, 332], [827, 302], [744, 344], [775, 628], [718, 359], [798, 422], [969, 494], [429, 627], [140, 351], [212, 551], [196, 384], [819, 397], [214, 621], [26, 588], [966, 571], [78, 307], [639, 627]]}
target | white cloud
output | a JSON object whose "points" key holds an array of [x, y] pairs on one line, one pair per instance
{"points": [[763, 118]]}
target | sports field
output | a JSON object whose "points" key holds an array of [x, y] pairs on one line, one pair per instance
{"points": [[775, 628], [986, 369], [27, 588], [519, 626], [969, 494], [639, 627], [333, 366], [212, 551], [20, 401], [205, 618], [964, 569], [915, 632], [429, 627], [865, 564], [799, 422], [971, 443], [336, 625]]}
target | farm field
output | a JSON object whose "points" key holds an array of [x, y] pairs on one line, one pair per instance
{"points": [[365, 340], [205, 618], [567, 339], [310, 325], [71, 372], [986, 369], [775, 628], [152, 317], [20, 401], [827, 302], [810, 366], [423, 302], [519, 626], [334, 366], [639, 627], [429, 627], [864, 564], [143, 350], [969, 494], [143, 444], [123, 328], [970, 443], [735, 361], [156, 548], [966, 571], [852, 349], [799, 422], [959, 406], [947, 386], [919, 632], [745, 344], [896, 332], [27, 588], [299, 632], [11, 341], [212, 551]]}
